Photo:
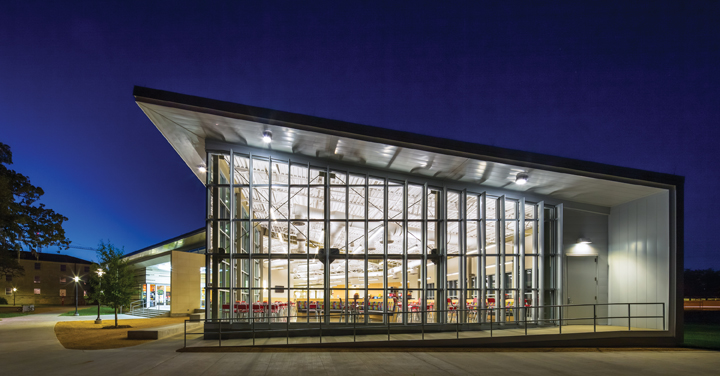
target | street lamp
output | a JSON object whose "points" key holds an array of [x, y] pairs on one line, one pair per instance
{"points": [[14, 290], [100, 272], [76, 279]]}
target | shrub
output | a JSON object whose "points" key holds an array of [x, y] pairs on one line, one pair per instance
{"points": [[3, 300]]}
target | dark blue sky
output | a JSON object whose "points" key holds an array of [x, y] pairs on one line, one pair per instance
{"points": [[633, 84]]}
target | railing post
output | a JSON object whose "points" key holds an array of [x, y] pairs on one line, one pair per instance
{"points": [[561, 311], [321, 329], [663, 314], [594, 318], [457, 325], [629, 327], [354, 325], [220, 333], [287, 328], [185, 335], [492, 318], [422, 322], [525, 319]]}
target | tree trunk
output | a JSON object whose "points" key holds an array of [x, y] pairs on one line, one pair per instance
{"points": [[116, 317]]}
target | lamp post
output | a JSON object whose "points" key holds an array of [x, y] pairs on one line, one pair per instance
{"points": [[100, 272], [14, 291], [76, 279]]}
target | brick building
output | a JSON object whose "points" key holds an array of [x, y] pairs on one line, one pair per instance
{"points": [[48, 279]]}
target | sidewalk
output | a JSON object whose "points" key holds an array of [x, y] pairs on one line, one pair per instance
{"points": [[28, 347]]}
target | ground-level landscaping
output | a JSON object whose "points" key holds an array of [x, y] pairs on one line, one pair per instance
{"points": [[86, 335]]}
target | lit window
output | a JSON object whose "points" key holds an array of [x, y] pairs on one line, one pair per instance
{"points": [[63, 279], [37, 279], [63, 292], [37, 291], [8, 291], [84, 293], [62, 268]]}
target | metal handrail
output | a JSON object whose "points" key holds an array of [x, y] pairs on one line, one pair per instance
{"points": [[135, 304], [493, 312]]}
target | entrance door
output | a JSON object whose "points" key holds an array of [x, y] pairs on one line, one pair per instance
{"points": [[582, 288]]}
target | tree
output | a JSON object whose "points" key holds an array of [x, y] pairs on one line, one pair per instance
{"points": [[23, 221], [118, 281]]}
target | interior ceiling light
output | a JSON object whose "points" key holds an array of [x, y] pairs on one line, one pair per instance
{"points": [[267, 137], [584, 241], [521, 178]]}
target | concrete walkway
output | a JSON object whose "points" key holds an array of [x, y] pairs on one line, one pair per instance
{"points": [[28, 347]]}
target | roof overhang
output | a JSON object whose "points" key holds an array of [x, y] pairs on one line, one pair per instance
{"points": [[189, 122]]}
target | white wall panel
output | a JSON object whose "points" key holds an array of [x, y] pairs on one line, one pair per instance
{"points": [[638, 261]]}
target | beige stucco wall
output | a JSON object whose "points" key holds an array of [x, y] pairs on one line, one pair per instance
{"points": [[185, 282]]}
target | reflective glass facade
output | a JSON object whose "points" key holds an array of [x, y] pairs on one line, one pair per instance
{"points": [[317, 243]]}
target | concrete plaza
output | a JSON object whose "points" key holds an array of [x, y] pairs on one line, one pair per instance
{"points": [[28, 347]]}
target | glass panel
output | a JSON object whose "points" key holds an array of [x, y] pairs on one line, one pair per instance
{"points": [[529, 211], [471, 238], [490, 237], [375, 238], [414, 201], [219, 237], [374, 180], [242, 170], [338, 202], [338, 178], [356, 179], [298, 236], [298, 174], [453, 205], [298, 273], [280, 208], [260, 202], [242, 210], [376, 202], [396, 207], [279, 239], [263, 230], [261, 171], [530, 237], [452, 237], [490, 207], [317, 176], [279, 172], [433, 203], [219, 202], [510, 245], [356, 237], [510, 209], [414, 238], [298, 203], [338, 236], [395, 237], [242, 237], [356, 274], [357, 203], [432, 235], [218, 169], [471, 206], [317, 203], [317, 236]]}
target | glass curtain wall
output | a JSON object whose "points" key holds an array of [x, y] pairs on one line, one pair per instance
{"points": [[304, 243]]}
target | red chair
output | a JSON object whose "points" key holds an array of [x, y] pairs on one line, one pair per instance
{"points": [[257, 308], [491, 306], [242, 309], [452, 310]]}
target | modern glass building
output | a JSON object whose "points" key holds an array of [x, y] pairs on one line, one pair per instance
{"points": [[319, 227]]}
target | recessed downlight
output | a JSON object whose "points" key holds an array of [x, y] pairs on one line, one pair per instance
{"points": [[267, 137], [521, 178]]}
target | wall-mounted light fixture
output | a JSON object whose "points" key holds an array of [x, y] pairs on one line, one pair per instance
{"points": [[267, 137], [584, 241], [202, 169], [521, 178]]}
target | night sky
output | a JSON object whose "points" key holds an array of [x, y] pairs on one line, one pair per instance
{"points": [[634, 84]]}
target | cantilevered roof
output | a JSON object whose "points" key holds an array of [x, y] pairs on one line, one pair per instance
{"points": [[188, 122], [188, 242]]}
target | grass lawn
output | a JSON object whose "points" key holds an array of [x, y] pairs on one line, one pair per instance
{"points": [[86, 335], [705, 336], [91, 311], [12, 314]]}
